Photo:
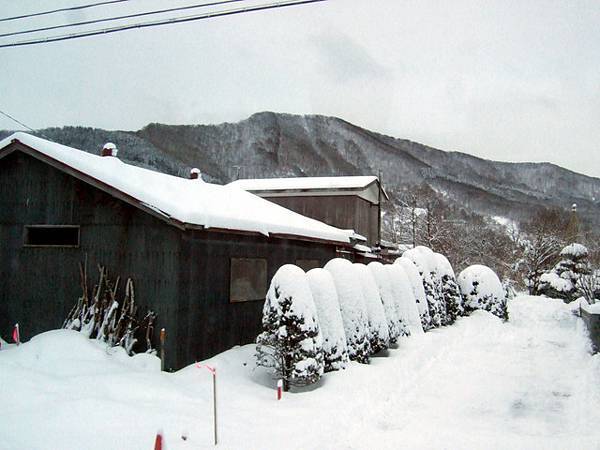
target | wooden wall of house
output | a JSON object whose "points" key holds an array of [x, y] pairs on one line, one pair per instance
{"points": [[182, 275], [348, 212]]}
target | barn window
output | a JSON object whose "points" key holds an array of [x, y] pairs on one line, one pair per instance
{"points": [[307, 264], [51, 236], [248, 279]]}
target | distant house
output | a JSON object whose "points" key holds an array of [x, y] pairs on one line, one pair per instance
{"points": [[352, 202], [200, 254]]}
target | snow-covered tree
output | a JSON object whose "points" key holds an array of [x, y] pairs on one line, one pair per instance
{"points": [[406, 303], [481, 289], [291, 343], [384, 284], [335, 351], [450, 290], [563, 280], [379, 336], [353, 308], [541, 245], [424, 259], [416, 282]]}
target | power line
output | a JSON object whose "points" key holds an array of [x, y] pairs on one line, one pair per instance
{"points": [[193, 18], [17, 121], [53, 11], [128, 16]]}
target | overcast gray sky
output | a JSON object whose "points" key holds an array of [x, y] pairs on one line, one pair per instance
{"points": [[505, 80]]}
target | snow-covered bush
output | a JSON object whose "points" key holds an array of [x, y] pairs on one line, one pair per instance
{"points": [[335, 351], [450, 290], [386, 293], [481, 289], [405, 299], [416, 282], [353, 308], [379, 336], [291, 343], [562, 281], [104, 317], [425, 261]]}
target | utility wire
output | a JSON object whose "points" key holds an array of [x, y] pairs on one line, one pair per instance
{"points": [[53, 11], [193, 18], [128, 16], [18, 121]]}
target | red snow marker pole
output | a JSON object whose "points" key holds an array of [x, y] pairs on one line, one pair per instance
{"points": [[163, 338], [158, 441], [16, 335], [279, 388]]}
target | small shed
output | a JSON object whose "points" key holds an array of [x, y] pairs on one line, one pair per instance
{"points": [[200, 254], [349, 202]]}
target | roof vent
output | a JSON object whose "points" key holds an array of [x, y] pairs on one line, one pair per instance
{"points": [[195, 174], [574, 207], [109, 149]]}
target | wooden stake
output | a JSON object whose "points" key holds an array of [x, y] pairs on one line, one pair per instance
{"points": [[163, 338], [214, 375]]}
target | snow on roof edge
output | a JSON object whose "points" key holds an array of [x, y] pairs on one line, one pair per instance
{"points": [[309, 183]]}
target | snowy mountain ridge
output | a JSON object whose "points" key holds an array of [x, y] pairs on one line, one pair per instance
{"points": [[278, 145]]}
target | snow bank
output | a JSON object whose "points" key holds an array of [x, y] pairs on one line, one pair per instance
{"points": [[326, 301], [379, 333], [504, 385], [407, 304], [416, 282], [481, 289], [386, 293], [353, 308]]}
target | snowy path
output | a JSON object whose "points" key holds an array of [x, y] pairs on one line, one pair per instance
{"points": [[530, 383]]}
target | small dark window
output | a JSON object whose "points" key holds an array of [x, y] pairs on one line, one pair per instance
{"points": [[51, 236], [248, 279], [307, 264]]}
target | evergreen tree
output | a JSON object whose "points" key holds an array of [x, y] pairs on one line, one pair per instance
{"points": [[424, 259], [379, 336], [563, 280], [291, 342], [416, 282], [481, 288], [386, 292], [335, 350], [353, 308], [450, 289]]}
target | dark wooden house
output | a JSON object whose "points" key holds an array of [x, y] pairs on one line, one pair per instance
{"points": [[200, 255], [352, 202]]}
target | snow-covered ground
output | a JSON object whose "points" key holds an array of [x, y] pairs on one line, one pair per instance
{"points": [[529, 383]]}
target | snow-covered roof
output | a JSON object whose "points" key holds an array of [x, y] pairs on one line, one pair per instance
{"points": [[188, 201], [305, 183]]}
